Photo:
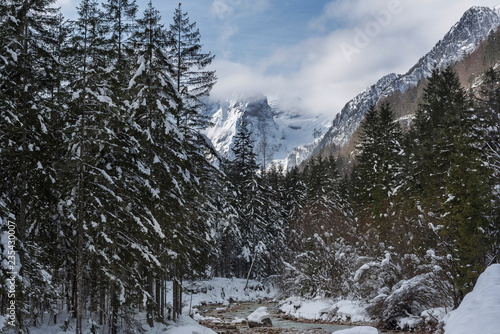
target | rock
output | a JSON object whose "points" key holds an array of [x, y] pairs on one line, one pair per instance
{"points": [[260, 318]]}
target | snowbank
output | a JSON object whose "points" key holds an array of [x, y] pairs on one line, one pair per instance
{"points": [[186, 325], [223, 290], [358, 330], [323, 309], [479, 312]]}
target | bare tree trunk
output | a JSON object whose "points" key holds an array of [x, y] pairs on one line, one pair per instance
{"points": [[149, 306], [175, 291]]}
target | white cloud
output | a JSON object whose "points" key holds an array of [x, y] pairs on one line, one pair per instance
{"points": [[384, 35]]}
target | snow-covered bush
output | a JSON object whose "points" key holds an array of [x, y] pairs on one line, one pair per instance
{"points": [[403, 292]]}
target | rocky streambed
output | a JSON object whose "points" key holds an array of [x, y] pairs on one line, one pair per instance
{"points": [[231, 319]]}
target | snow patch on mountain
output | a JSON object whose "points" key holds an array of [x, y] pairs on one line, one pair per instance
{"points": [[463, 38], [277, 127]]}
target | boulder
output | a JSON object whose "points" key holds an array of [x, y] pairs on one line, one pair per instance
{"points": [[260, 318]]}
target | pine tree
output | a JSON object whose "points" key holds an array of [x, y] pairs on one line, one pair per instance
{"points": [[488, 103], [323, 228], [379, 168], [191, 78], [120, 18], [27, 116], [243, 174], [452, 177], [92, 190]]}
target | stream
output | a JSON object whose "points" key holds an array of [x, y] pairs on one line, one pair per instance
{"points": [[220, 319]]}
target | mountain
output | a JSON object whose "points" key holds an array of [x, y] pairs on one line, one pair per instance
{"points": [[463, 38], [277, 127]]}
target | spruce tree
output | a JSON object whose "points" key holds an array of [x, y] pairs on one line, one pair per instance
{"points": [[452, 178], [92, 197], [27, 113], [192, 80], [379, 165], [243, 173]]}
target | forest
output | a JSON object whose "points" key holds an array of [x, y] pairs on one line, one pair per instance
{"points": [[110, 189]]}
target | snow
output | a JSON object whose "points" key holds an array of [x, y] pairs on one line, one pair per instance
{"points": [[221, 290], [324, 309], [358, 330], [284, 127], [479, 311], [259, 315], [186, 325]]}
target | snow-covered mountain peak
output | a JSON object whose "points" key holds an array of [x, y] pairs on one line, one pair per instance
{"points": [[277, 126], [286, 132], [463, 38]]}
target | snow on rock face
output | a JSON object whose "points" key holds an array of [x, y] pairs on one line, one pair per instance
{"points": [[479, 312], [358, 330], [260, 318], [463, 38], [277, 128]]}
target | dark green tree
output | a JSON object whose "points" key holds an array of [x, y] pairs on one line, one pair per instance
{"points": [[192, 80], [378, 174], [27, 134], [453, 181]]}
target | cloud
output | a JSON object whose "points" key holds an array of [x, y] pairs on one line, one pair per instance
{"points": [[228, 9], [221, 9], [374, 39]]}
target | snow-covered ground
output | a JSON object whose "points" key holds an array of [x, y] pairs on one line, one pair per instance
{"points": [[325, 309], [222, 290], [479, 312]]}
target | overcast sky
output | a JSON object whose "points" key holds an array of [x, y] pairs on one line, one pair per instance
{"points": [[325, 52]]}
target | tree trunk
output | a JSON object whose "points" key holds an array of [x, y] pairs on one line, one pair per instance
{"points": [[149, 305], [175, 291]]}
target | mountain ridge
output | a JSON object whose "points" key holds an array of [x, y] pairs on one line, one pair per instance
{"points": [[463, 38], [285, 134]]}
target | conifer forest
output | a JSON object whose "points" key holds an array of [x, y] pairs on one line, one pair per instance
{"points": [[110, 190]]}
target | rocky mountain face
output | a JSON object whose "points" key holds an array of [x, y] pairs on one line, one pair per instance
{"points": [[287, 135], [463, 38], [277, 128]]}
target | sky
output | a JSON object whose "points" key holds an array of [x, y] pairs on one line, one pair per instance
{"points": [[322, 52]]}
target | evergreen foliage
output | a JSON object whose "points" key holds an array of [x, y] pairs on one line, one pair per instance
{"points": [[115, 192], [192, 80]]}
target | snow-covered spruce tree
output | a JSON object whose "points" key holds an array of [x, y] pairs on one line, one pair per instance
{"points": [[120, 18], [294, 194], [452, 178], [174, 170], [27, 73], [321, 263], [159, 148], [249, 204], [378, 171], [192, 80], [273, 214], [488, 103], [121, 15], [93, 197]]}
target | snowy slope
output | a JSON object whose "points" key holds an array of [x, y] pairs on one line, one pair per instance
{"points": [[463, 38], [276, 128], [479, 312]]}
